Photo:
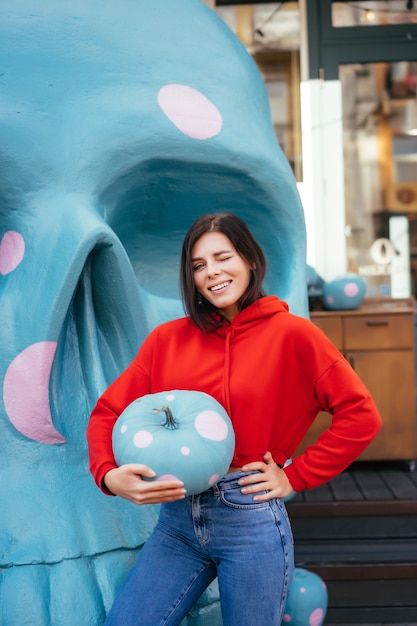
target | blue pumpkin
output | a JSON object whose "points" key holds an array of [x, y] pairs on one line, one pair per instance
{"points": [[179, 434], [307, 600], [345, 293]]}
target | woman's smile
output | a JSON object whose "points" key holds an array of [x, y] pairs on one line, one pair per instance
{"points": [[221, 286]]}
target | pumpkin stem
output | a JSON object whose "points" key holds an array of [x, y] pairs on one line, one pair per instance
{"points": [[170, 422]]}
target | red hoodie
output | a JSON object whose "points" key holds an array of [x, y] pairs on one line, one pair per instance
{"points": [[271, 370]]}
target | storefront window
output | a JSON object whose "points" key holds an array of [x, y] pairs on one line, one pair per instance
{"points": [[380, 155], [377, 13], [271, 34]]}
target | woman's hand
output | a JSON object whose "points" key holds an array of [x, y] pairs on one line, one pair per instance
{"points": [[126, 481], [271, 479]]}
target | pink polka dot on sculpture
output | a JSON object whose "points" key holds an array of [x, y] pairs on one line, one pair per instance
{"points": [[286, 618], [185, 450], [330, 299], [190, 111], [211, 425], [316, 618], [351, 290], [26, 393], [12, 251]]}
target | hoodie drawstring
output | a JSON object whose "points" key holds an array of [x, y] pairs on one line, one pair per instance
{"points": [[226, 372]]}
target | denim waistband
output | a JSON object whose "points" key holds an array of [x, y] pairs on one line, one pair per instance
{"points": [[229, 480]]}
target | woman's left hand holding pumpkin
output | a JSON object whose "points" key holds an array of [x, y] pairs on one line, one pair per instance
{"points": [[271, 479], [127, 482]]}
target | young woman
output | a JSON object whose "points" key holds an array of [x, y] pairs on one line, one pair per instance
{"points": [[273, 372]]}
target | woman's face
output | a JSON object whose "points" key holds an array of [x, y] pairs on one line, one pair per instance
{"points": [[220, 273]]}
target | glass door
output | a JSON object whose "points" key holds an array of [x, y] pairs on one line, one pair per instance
{"points": [[380, 165]]}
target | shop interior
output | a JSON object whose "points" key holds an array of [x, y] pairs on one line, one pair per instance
{"points": [[379, 111]]}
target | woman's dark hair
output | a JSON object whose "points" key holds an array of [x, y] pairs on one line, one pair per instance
{"points": [[202, 312]]}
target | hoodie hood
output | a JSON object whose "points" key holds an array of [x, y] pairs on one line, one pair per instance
{"points": [[261, 309]]}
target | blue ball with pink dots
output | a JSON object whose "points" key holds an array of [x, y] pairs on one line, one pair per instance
{"points": [[307, 601], [345, 293]]}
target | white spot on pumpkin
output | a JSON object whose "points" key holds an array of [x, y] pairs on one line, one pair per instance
{"points": [[211, 425], [142, 439], [170, 397], [185, 450], [123, 429]]}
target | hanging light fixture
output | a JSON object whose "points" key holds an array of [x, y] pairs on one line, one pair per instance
{"points": [[369, 16]]}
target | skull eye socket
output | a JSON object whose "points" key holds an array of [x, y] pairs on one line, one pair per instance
{"points": [[151, 207]]}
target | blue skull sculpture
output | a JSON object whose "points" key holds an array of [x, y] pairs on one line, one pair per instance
{"points": [[120, 124]]}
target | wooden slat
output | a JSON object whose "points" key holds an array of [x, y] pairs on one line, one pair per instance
{"points": [[340, 509], [355, 552], [412, 475], [382, 593], [365, 616], [401, 483], [321, 494], [372, 486], [347, 528], [345, 488], [367, 572], [377, 482]]}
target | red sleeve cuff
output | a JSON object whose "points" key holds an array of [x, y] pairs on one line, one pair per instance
{"points": [[99, 477], [296, 483]]}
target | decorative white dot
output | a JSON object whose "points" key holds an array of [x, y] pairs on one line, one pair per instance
{"points": [[123, 428], [170, 397], [185, 450], [211, 425], [142, 439]]}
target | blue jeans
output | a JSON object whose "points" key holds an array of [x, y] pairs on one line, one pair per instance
{"points": [[221, 532]]}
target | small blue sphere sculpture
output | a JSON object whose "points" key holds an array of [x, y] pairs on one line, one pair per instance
{"points": [[345, 293], [314, 280], [307, 600]]}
